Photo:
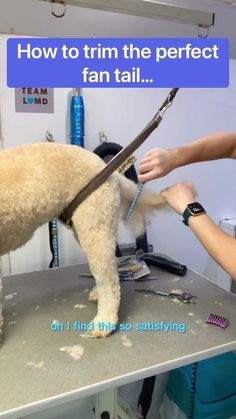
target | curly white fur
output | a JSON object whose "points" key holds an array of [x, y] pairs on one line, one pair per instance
{"points": [[38, 181]]}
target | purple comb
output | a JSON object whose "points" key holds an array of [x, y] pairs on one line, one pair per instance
{"points": [[218, 321]]}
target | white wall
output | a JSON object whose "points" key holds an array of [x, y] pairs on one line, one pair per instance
{"points": [[122, 113]]}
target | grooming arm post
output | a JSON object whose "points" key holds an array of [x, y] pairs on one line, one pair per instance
{"points": [[109, 405], [106, 404]]}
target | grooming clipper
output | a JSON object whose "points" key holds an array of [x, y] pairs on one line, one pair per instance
{"points": [[161, 262]]}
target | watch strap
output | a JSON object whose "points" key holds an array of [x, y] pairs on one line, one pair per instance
{"points": [[186, 215]]}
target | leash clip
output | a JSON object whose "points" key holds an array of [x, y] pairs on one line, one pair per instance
{"points": [[161, 112]]}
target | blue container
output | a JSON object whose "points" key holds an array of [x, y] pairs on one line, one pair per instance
{"points": [[77, 120], [215, 396]]}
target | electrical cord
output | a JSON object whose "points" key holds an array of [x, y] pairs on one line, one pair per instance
{"points": [[53, 242], [145, 397], [192, 391], [50, 228]]}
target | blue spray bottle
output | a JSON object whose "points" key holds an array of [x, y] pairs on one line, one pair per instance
{"points": [[77, 118]]}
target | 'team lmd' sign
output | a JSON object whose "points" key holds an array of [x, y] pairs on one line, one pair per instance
{"points": [[33, 99]]}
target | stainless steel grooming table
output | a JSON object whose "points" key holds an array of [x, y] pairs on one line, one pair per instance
{"points": [[35, 374]]}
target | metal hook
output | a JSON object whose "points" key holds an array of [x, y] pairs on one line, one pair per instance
{"points": [[58, 2], [49, 137], [203, 31], [102, 137]]}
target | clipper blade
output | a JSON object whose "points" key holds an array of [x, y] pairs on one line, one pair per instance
{"points": [[218, 320]]}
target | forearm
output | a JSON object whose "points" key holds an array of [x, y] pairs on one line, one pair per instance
{"points": [[218, 244], [212, 147]]}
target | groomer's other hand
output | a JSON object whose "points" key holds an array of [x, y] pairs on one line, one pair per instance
{"points": [[179, 196], [156, 163]]}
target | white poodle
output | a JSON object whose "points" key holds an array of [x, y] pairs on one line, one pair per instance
{"points": [[38, 181]]}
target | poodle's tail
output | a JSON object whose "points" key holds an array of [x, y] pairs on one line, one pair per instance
{"points": [[147, 202]]}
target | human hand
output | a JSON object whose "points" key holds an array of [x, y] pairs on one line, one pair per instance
{"points": [[156, 163], [179, 196]]}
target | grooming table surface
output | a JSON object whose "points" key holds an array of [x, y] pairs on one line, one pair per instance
{"points": [[35, 374]]}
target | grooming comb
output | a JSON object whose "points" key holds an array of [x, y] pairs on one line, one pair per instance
{"points": [[218, 320]]}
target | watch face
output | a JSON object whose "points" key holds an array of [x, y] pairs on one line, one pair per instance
{"points": [[196, 208]]}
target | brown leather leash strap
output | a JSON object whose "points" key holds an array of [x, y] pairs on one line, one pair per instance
{"points": [[113, 165]]}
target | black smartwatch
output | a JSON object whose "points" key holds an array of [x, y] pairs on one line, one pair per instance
{"points": [[192, 209]]}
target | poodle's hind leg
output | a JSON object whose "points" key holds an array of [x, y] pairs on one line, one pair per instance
{"points": [[95, 224], [99, 246]]}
